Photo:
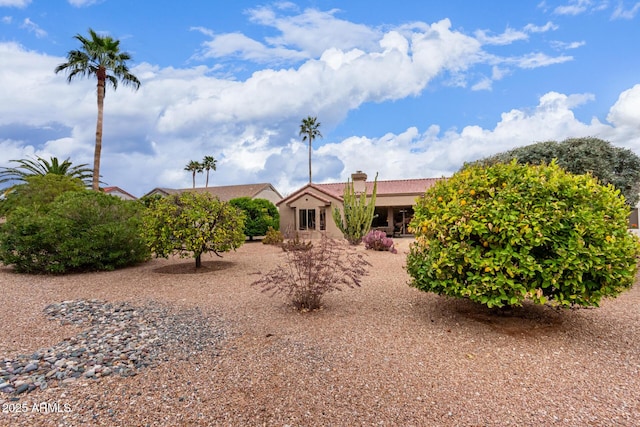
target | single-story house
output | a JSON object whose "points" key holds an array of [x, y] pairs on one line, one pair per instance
{"points": [[119, 192], [228, 192], [309, 210]]}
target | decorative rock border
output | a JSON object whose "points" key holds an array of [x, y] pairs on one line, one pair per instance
{"points": [[120, 339]]}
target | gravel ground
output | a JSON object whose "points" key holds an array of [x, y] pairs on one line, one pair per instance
{"points": [[382, 354]]}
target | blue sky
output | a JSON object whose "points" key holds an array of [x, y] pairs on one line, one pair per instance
{"points": [[408, 89]]}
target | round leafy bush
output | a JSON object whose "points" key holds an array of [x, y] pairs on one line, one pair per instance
{"points": [[78, 231], [506, 233], [260, 215]]}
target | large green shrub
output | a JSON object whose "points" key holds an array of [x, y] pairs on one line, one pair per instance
{"points": [[78, 231], [38, 191], [260, 215], [506, 233]]}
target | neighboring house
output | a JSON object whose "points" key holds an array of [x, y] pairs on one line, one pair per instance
{"points": [[119, 192], [228, 192], [308, 211]]}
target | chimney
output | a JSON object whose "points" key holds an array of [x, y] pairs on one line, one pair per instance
{"points": [[359, 179]]}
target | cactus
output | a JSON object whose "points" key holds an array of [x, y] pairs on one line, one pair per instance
{"points": [[358, 214]]}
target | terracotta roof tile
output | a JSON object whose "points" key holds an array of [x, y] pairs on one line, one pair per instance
{"points": [[398, 186], [415, 187]]}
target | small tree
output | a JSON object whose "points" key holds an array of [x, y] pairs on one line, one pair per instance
{"points": [[260, 215], [308, 274], [508, 233], [358, 214], [191, 224]]}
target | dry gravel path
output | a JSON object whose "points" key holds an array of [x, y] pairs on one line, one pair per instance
{"points": [[383, 354]]}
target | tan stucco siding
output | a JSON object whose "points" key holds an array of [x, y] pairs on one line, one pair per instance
{"points": [[399, 200], [311, 198], [289, 217], [268, 194]]}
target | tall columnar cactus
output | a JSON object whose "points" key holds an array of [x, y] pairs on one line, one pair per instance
{"points": [[358, 215]]}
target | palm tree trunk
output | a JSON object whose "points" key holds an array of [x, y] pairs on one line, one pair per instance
{"points": [[102, 73], [194, 179], [206, 185], [309, 158]]}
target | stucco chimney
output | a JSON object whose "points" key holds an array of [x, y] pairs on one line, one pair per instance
{"points": [[359, 179]]}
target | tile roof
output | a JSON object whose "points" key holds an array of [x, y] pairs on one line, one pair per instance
{"points": [[391, 187], [114, 189], [398, 187], [224, 192]]}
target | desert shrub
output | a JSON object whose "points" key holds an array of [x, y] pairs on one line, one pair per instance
{"points": [[273, 237], [506, 233], [307, 275], [378, 241], [79, 231], [296, 244]]}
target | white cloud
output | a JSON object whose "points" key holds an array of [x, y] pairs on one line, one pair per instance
{"points": [[559, 45], [574, 7], [509, 36], [549, 26], [6, 19], [15, 3], [624, 112], [302, 36], [402, 64], [535, 60], [241, 46], [578, 7], [621, 13], [34, 28], [485, 83], [84, 3], [314, 31]]}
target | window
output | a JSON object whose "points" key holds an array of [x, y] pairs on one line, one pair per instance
{"points": [[323, 219], [306, 219]]}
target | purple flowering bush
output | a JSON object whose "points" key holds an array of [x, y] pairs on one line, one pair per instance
{"points": [[378, 241]]}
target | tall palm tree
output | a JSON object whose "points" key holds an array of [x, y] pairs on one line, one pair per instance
{"points": [[100, 57], [309, 131], [195, 167], [209, 162], [40, 166]]}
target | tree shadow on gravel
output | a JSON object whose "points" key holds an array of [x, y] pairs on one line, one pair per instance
{"points": [[190, 267], [530, 319]]}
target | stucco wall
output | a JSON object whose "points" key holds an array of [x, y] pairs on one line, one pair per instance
{"points": [[270, 195], [311, 200]]}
